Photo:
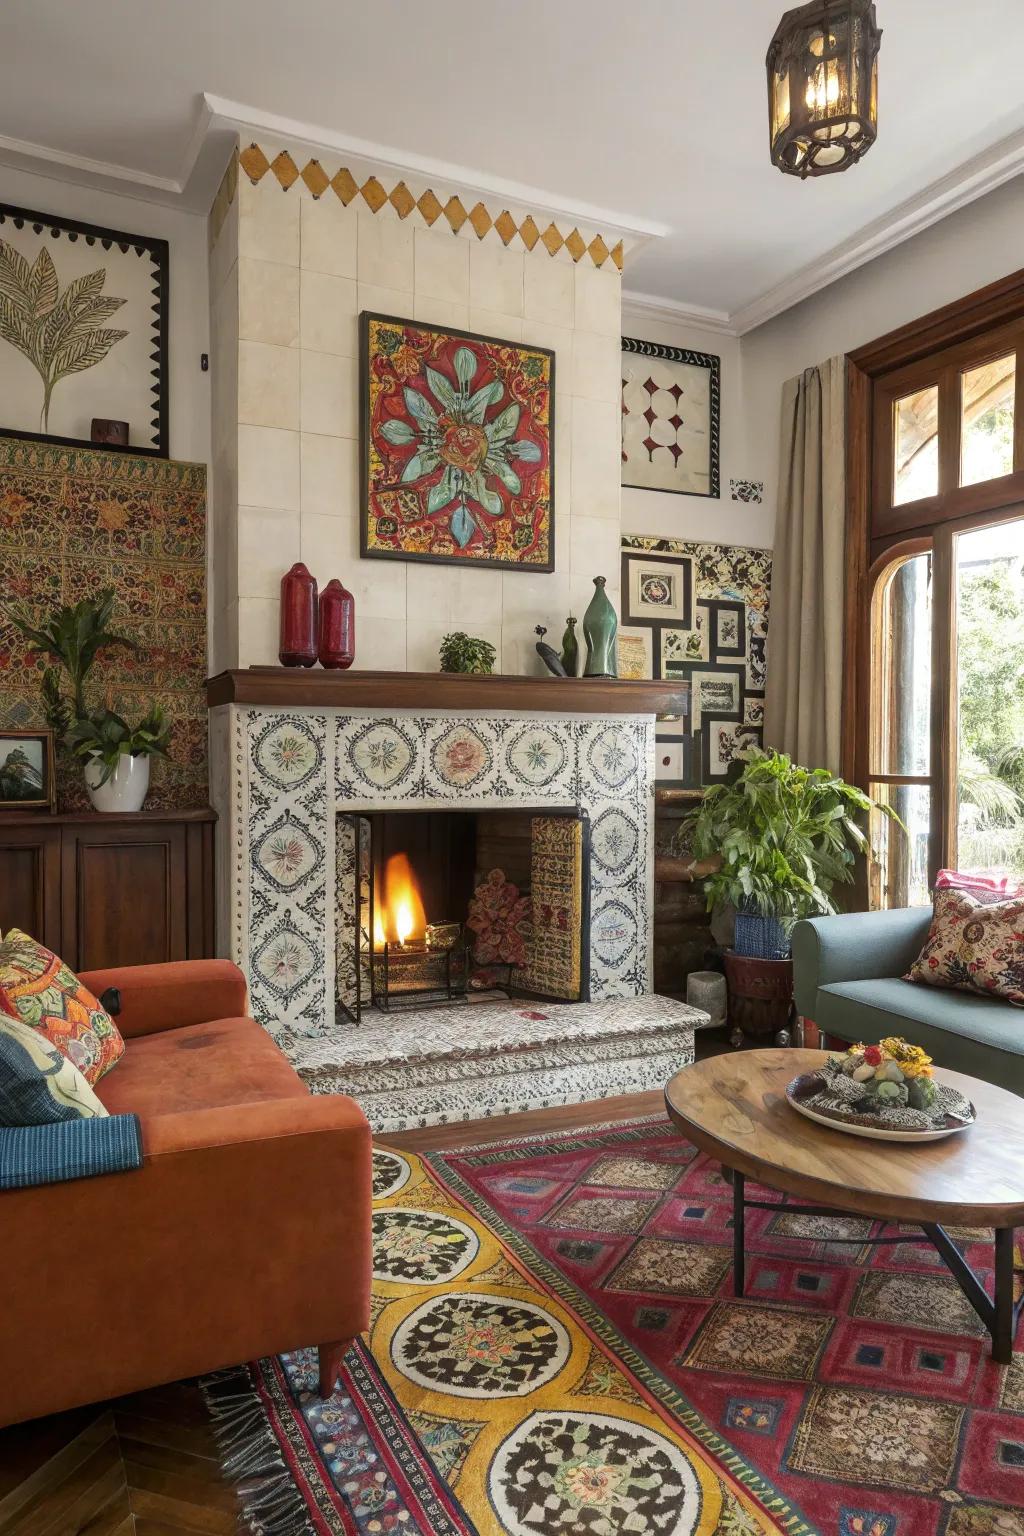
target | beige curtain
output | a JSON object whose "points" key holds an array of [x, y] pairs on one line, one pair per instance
{"points": [[805, 632]]}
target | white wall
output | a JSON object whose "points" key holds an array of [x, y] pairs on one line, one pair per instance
{"points": [[188, 330], [701, 518], [305, 269], [973, 247]]}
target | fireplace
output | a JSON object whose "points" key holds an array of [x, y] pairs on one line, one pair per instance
{"points": [[435, 906]]}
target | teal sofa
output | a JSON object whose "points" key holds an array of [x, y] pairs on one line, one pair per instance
{"points": [[848, 978]]}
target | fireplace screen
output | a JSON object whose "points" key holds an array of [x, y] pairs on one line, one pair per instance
{"points": [[438, 906]]}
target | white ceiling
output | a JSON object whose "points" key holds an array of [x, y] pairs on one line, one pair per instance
{"points": [[655, 110]]}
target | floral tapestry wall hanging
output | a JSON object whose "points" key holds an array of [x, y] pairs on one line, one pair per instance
{"points": [[457, 434], [83, 331]]}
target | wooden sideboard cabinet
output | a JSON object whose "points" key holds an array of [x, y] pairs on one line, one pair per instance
{"points": [[110, 890]]}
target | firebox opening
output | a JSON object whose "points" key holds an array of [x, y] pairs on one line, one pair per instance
{"points": [[453, 905]]}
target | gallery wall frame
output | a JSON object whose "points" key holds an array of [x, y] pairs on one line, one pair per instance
{"points": [[666, 445]]}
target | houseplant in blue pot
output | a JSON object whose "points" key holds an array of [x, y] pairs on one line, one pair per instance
{"points": [[786, 836]]}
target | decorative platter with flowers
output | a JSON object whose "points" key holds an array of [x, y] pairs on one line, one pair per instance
{"points": [[886, 1091]]}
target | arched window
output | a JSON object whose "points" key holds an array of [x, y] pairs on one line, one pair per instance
{"points": [[937, 639]]}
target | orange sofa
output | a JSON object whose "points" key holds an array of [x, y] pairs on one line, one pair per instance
{"points": [[245, 1232]]}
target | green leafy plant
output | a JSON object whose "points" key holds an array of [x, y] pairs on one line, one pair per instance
{"points": [[105, 737], [786, 836], [73, 637], [59, 333], [461, 653]]}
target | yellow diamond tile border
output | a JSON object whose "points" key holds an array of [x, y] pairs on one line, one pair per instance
{"points": [[256, 165]]}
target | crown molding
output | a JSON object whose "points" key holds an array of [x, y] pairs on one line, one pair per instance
{"points": [[648, 306], [963, 186], [458, 178], [23, 155]]}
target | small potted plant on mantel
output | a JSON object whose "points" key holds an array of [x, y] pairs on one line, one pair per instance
{"points": [[784, 837], [116, 754]]}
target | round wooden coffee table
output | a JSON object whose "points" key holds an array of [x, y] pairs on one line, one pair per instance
{"points": [[734, 1108]]}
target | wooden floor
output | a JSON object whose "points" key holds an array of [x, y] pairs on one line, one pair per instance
{"points": [[148, 1464]]}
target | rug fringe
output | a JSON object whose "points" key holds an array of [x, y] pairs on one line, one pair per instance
{"points": [[251, 1460]]}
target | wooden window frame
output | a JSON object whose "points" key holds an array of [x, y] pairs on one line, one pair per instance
{"points": [[933, 350]]}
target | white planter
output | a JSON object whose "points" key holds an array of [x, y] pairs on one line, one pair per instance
{"points": [[126, 788]]}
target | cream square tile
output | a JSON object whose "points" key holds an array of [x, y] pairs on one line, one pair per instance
{"points": [[330, 547], [330, 485], [442, 266], [563, 453], [558, 339], [527, 601], [268, 468], [268, 385], [379, 588], [495, 278], [223, 253], [596, 459], [329, 314], [596, 366], [268, 221], [380, 645], [258, 631], [268, 302], [467, 596], [268, 544], [548, 289], [329, 394], [385, 252], [598, 294], [441, 312], [492, 322], [594, 550], [329, 236], [519, 657], [397, 302]]}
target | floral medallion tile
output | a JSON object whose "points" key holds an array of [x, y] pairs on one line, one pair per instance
{"points": [[287, 852], [287, 753], [380, 755], [614, 841], [611, 755], [613, 933], [284, 961], [460, 756], [536, 756]]}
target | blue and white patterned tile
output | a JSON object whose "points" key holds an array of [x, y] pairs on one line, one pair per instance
{"points": [[615, 843], [539, 759], [378, 758]]}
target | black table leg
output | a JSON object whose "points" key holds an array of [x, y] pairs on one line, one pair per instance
{"points": [[738, 1214], [1003, 1329]]}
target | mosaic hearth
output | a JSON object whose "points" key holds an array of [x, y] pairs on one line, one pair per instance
{"points": [[282, 778]]}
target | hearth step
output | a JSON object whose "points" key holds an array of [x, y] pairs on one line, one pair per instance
{"points": [[438, 1065]]}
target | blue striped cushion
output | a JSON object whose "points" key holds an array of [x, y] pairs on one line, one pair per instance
{"points": [[68, 1149]]}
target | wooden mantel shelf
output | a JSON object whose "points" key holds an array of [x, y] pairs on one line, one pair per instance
{"points": [[286, 687]]}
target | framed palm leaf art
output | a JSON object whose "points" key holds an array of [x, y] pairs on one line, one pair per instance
{"points": [[457, 434], [83, 331]]}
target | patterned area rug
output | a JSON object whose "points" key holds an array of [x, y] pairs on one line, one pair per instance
{"points": [[556, 1351]]}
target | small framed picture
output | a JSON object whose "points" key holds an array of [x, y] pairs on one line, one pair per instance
{"points": [[26, 771], [728, 629], [657, 589], [635, 653], [680, 648], [753, 711], [721, 743], [716, 691]]}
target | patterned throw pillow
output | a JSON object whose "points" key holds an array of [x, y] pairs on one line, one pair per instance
{"points": [[987, 888], [38, 1084], [50, 997], [975, 946]]}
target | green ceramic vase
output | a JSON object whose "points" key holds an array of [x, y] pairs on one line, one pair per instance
{"points": [[600, 626], [570, 649]]}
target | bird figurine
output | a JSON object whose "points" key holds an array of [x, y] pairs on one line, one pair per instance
{"points": [[548, 655]]}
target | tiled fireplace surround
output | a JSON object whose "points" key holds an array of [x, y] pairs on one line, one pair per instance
{"points": [[282, 777]]}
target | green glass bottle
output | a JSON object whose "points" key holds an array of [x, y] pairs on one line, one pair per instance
{"points": [[570, 649], [600, 626]]}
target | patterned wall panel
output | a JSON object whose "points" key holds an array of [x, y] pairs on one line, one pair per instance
{"points": [[294, 879], [75, 520], [700, 612]]}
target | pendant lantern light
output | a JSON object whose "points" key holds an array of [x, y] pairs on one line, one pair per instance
{"points": [[823, 86]]}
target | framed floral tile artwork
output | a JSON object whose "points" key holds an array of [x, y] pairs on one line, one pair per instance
{"points": [[457, 433]]}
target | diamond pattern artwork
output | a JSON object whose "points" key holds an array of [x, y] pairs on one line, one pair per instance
{"points": [[298, 878], [670, 418]]}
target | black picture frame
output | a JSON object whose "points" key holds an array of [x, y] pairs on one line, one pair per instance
{"points": [[733, 670], [366, 553], [159, 253], [735, 768], [635, 620], [46, 800], [713, 364], [715, 607]]}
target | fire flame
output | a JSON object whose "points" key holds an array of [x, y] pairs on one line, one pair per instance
{"points": [[403, 918]]}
